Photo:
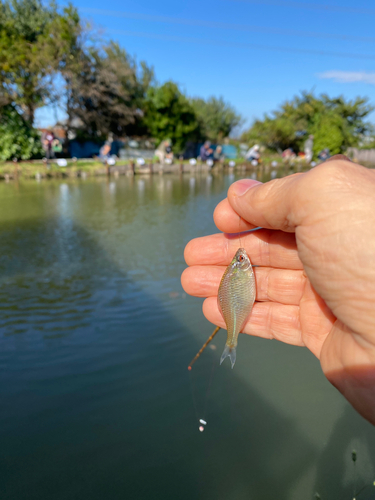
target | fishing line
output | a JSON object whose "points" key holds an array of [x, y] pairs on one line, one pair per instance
{"points": [[247, 231], [193, 396], [251, 231], [209, 387], [202, 419], [239, 229]]}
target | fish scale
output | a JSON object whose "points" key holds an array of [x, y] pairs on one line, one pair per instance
{"points": [[236, 298]]}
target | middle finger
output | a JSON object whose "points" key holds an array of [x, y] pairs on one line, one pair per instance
{"points": [[275, 285]]}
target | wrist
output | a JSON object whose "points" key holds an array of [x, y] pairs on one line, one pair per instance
{"points": [[348, 362]]}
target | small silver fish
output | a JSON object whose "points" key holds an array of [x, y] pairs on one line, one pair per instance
{"points": [[236, 298]]}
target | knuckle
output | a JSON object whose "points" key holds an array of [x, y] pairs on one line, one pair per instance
{"points": [[334, 172]]}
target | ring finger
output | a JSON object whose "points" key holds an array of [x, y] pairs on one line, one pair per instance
{"points": [[268, 320], [274, 285]]}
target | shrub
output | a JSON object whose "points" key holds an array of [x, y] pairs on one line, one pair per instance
{"points": [[17, 138]]}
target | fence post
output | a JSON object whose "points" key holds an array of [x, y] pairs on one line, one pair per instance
{"points": [[15, 168]]}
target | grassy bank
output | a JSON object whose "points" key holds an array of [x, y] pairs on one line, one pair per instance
{"points": [[32, 169], [83, 168]]}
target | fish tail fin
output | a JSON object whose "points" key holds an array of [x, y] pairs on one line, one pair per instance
{"points": [[229, 352]]}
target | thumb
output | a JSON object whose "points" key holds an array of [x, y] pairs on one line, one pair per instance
{"points": [[273, 205]]}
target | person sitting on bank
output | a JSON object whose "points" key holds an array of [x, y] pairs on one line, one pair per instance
{"points": [[324, 154], [205, 151], [164, 150], [218, 154], [47, 140], [288, 155], [253, 153], [104, 152], [308, 148]]}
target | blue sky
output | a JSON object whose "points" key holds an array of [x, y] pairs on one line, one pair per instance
{"points": [[255, 54]]}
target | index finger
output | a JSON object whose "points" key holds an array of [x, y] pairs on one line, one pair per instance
{"points": [[287, 203], [264, 247], [274, 205]]}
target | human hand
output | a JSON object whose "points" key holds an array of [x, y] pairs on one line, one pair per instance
{"points": [[316, 283]]}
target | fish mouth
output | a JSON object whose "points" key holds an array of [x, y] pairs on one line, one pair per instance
{"points": [[248, 267]]}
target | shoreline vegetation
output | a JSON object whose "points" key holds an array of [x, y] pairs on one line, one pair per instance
{"points": [[106, 95], [39, 169]]}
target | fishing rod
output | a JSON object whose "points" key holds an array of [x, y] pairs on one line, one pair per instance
{"points": [[202, 420], [203, 347]]}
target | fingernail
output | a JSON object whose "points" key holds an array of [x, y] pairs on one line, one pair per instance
{"points": [[241, 187]]}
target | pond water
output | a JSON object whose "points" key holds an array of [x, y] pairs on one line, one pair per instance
{"points": [[96, 401]]}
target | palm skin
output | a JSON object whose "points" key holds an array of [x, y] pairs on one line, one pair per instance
{"points": [[316, 280]]}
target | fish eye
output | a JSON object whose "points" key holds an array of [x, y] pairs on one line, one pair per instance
{"points": [[241, 258]]}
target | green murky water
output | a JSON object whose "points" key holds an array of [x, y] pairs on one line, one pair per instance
{"points": [[96, 334]]}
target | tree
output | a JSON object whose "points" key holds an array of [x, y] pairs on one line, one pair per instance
{"points": [[97, 91], [169, 114], [105, 90], [276, 133], [335, 123], [35, 42], [144, 79], [17, 138], [217, 118]]}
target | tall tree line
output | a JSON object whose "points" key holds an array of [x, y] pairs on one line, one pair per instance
{"points": [[335, 123], [50, 56]]}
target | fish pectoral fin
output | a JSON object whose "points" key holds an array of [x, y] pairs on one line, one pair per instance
{"points": [[229, 352]]}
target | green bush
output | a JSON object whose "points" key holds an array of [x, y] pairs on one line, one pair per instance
{"points": [[327, 133], [169, 115], [17, 138], [336, 124]]}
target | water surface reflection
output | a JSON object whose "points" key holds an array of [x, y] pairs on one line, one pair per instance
{"points": [[96, 334]]}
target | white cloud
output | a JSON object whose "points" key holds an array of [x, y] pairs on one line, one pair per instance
{"points": [[349, 76]]}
